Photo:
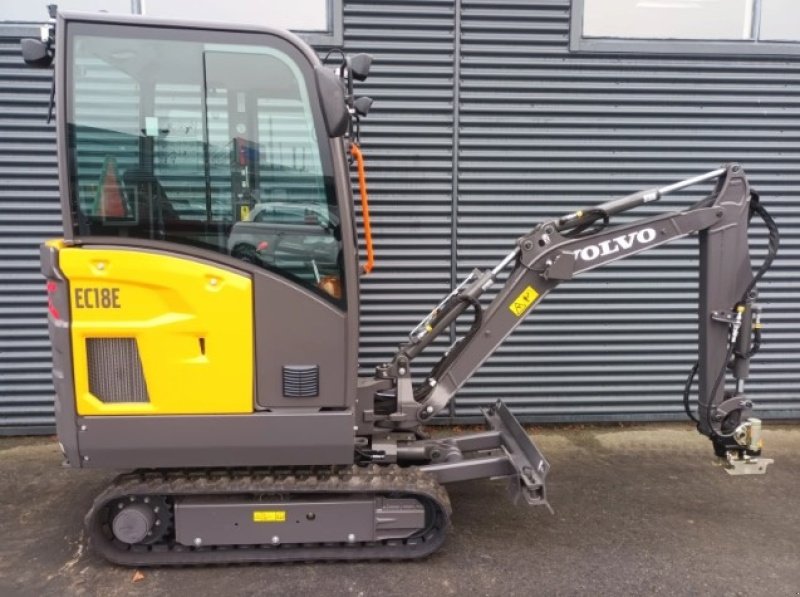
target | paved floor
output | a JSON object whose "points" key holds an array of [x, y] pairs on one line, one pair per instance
{"points": [[638, 511]]}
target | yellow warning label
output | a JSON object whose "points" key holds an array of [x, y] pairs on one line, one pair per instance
{"points": [[244, 212], [523, 301], [269, 516]]}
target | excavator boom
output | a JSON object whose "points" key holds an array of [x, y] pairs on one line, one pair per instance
{"points": [[559, 250]]}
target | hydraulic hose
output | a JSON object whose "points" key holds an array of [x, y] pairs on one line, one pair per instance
{"points": [[687, 390], [588, 224], [422, 390]]}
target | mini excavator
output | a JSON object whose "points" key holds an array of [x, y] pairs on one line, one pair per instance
{"points": [[204, 306]]}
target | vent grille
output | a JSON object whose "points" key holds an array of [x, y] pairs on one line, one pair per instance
{"points": [[115, 370], [300, 381]]}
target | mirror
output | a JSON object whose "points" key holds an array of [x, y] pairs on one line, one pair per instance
{"points": [[36, 53], [332, 100], [362, 105], [359, 66]]}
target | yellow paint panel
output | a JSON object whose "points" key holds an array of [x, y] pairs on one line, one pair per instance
{"points": [[525, 299], [55, 243], [192, 323]]}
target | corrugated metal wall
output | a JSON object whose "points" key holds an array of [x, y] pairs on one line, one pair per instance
{"points": [[538, 131], [408, 145], [543, 132], [29, 212]]}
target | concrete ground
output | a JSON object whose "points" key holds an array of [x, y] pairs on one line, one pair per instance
{"points": [[639, 510]]}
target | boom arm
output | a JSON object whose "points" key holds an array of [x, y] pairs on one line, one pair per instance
{"points": [[559, 250]]}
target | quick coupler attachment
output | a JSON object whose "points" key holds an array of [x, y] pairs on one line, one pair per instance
{"points": [[745, 458]]}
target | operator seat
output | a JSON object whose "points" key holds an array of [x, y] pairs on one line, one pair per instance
{"points": [[147, 198]]}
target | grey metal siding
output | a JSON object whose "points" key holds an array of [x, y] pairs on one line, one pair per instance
{"points": [[539, 131], [545, 131], [407, 142], [29, 213]]}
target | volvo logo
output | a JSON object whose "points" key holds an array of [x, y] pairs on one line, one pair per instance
{"points": [[617, 244]]}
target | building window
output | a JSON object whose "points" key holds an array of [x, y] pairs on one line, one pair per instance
{"points": [[23, 18], [779, 20], [35, 11], [319, 22], [686, 26]]}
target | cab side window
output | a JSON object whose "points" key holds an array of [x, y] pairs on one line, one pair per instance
{"points": [[205, 144]]}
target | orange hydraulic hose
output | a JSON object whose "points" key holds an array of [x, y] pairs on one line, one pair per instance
{"points": [[362, 187]]}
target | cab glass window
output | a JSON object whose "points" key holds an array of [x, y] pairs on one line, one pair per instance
{"points": [[212, 145]]}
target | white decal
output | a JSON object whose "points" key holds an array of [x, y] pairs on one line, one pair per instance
{"points": [[617, 244]]}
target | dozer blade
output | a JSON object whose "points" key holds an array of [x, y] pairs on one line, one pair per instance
{"points": [[530, 465], [506, 451]]}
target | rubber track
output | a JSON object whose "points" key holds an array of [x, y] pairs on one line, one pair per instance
{"points": [[400, 482]]}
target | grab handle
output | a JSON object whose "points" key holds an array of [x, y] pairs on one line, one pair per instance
{"points": [[362, 187]]}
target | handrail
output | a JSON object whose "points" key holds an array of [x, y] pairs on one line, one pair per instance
{"points": [[362, 187]]}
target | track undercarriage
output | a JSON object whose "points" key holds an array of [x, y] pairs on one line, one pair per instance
{"points": [[269, 515], [285, 514]]}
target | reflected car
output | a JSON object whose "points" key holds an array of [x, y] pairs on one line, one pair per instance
{"points": [[294, 237]]}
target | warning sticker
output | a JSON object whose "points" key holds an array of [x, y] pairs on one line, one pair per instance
{"points": [[525, 299], [269, 516]]}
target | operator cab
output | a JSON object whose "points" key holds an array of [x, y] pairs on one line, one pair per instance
{"points": [[219, 151], [206, 139]]}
